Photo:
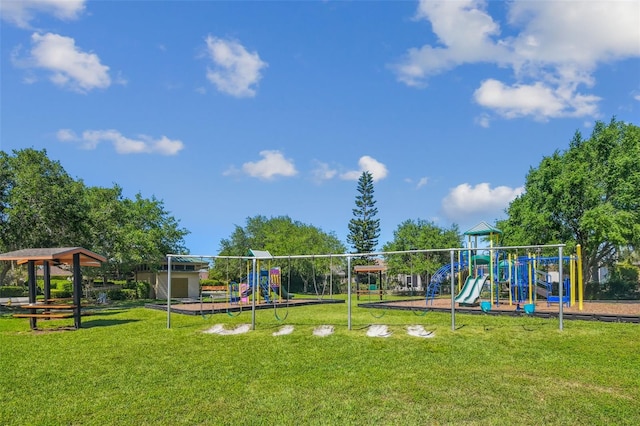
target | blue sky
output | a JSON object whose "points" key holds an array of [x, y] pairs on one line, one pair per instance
{"points": [[228, 110]]}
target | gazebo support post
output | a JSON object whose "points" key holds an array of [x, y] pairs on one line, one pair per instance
{"points": [[31, 271], [46, 275], [77, 290]]}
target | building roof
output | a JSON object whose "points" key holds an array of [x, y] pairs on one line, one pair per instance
{"points": [[54, 255], [188, 260]]}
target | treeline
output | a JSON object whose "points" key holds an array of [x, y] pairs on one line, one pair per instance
{"points": [[588, 194], [42, 206]]}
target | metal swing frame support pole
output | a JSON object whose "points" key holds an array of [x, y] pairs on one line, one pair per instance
{"points": [[453, 303], [169, 292], [253, 293], [349, 292], [560, 289]]}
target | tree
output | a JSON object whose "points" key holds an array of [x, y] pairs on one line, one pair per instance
{"points": [[420, 235], [587, 195], [279, 236], [130, 232], [364, 228], [42, 206]]}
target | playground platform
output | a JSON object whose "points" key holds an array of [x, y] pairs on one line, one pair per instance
{"points": [[194, 307], [608, 311]]}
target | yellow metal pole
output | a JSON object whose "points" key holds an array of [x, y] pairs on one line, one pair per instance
{"points": [[579, 267], [572, 280]]}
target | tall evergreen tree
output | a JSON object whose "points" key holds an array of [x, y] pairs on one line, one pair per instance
{"points": [[364, 227]]}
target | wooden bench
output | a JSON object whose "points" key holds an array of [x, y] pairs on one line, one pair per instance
{"points": [[46, 310], [369, 293], [48, 306], [217, 291], [214, 288], [47, 315]]}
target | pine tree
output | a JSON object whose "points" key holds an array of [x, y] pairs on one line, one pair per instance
{"points": [[364, 228]]}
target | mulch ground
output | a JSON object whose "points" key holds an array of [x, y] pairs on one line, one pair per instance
{"points": [[628, 311]]}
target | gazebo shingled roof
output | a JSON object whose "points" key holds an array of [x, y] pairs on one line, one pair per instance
{"points": [[54, 255]]}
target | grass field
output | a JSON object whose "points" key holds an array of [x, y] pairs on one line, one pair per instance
{"points": [[125, 367]]}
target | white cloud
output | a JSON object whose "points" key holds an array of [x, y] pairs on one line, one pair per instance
{"points": [[464, 32], [90, 139], [367, 164], [66, 135], [483, 120], [422, 182], [68, 66], [273, 164], [236, 71], [556, 49], [538, 100], [323, 172], [22, 12], [466, 201]]}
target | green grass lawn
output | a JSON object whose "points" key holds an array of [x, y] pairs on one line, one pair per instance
{"points": [[125, 367]]}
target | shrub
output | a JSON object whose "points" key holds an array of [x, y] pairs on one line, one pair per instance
{"points": [[143, 289], [116, 294], [64, 286], [623, 282], [129, 294], [60, 294], [592, 291], [209, 281], [140, 289], [14, 291]]}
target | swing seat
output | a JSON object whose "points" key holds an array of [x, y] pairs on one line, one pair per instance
{"points": [[485, 306]]}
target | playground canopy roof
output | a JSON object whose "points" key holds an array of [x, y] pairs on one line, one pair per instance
{"points": [[260, 254], [481, 229], [60, 255]]}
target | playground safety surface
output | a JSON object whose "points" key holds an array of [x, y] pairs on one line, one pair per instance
{"points": [[194, 307], [609, 311]]}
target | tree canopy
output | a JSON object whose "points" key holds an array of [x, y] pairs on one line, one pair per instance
{"points": [[420, 235], [588, 194], [279, 236], [42, 206]]}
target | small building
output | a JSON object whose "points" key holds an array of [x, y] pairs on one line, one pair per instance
{"points": [[185, 278]]}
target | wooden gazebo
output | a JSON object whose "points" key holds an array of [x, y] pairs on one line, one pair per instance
{"points": [[47, 257]]}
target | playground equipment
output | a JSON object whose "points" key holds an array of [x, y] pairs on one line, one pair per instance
{"points": [[268, 284], [471, 290], [475, 268], [525, 277]]}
